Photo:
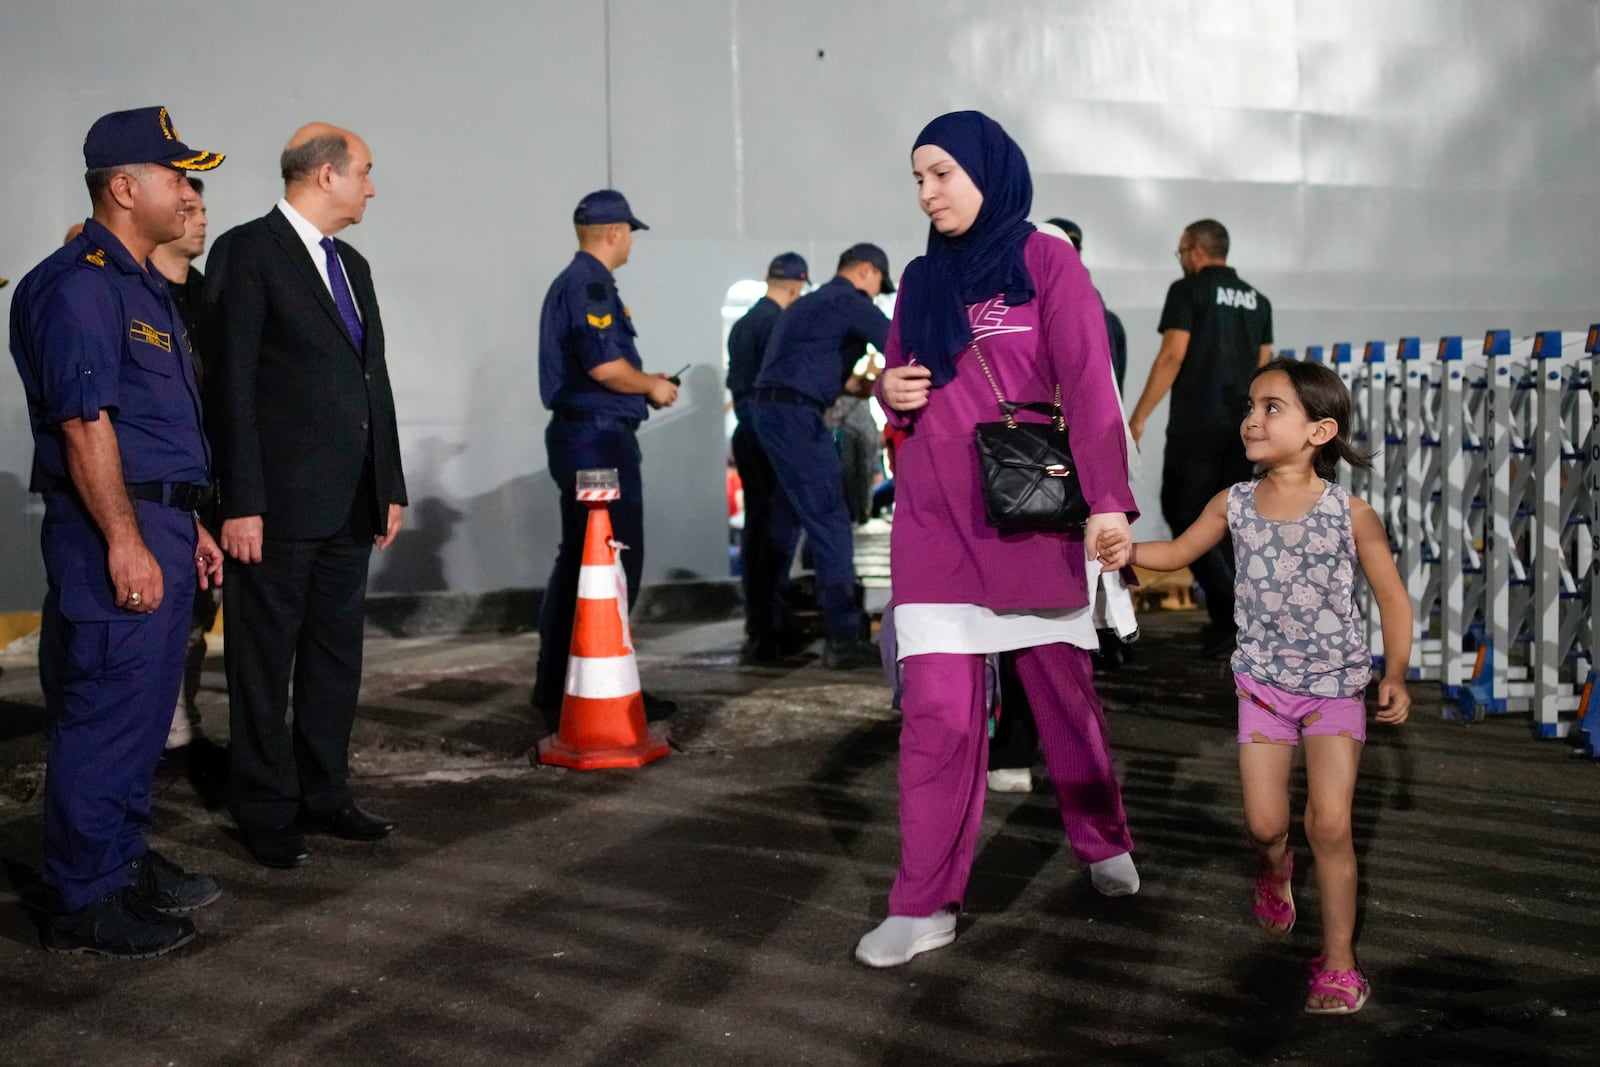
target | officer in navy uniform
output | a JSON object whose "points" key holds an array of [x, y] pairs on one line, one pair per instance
{"points": [[763, 550], [122, 464], [810, 360], [592, 381]]}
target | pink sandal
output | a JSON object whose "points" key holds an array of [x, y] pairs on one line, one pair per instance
{"points": [[1270, 909], [1350, 987]]}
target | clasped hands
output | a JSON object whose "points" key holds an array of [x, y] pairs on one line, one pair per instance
{"points": [[1107, 538]]}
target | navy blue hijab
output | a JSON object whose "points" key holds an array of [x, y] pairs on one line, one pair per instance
{"points": [[984, 262]]}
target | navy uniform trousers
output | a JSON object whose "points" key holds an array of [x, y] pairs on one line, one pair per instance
{"points": [[574, 444], [769, 535], [110, 679], [803, 455]]}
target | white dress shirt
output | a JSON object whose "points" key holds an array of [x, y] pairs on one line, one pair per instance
{"points": [[319, 255]]}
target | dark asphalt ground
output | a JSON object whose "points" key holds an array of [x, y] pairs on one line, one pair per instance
{"points": [[702, 910]]}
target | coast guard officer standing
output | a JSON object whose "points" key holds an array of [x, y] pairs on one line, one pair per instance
{"points": [[593, 382], [122, 464], [810, 359], [763, 550]]}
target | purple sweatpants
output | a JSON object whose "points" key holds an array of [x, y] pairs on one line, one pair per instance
{"points": [[944, 754]]}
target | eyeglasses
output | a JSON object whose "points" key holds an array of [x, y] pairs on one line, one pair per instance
{"points": [[1180, 252]]}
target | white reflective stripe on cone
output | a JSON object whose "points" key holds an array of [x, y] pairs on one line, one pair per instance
{"points": [[602, 677], [597, 583]]}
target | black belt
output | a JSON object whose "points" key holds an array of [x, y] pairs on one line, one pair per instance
{"points": [[780, 395], [571, 415], [180, 495]]}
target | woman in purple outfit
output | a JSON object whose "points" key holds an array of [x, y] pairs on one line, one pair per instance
{"points": [[990, 283]]}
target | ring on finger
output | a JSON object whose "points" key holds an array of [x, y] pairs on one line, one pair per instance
{"points": [[134, 598]]}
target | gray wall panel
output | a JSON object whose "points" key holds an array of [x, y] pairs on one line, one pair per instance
{"points": [[1386, 167]]}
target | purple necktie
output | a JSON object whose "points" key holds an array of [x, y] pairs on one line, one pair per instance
{"points": [[341, 294]]}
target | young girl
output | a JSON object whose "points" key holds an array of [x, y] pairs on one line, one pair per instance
{"points": [[1302, 663]]}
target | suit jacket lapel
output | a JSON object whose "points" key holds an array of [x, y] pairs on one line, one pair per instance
{"points": [[300, 256]]}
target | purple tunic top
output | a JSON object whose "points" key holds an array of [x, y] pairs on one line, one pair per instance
{"points": [[941, 549]]}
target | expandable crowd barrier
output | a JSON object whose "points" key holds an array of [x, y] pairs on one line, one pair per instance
{"points": [[1486, 473]]}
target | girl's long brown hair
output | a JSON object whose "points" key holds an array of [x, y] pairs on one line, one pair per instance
{"points": [[1323, 396]]}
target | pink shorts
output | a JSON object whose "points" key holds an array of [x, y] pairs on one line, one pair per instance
{"points": [[1270, 714]]}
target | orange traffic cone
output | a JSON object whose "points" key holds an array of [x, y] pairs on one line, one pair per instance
{"points": [[602, 712]]}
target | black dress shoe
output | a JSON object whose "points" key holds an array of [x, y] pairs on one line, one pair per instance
{"points": [[548, 707], [283, 847], [793, 643], [350, 823], [658, 708], [762, 649], [848, 654]]}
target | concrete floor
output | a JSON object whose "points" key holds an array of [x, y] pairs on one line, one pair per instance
{"points": [[702, 910]]}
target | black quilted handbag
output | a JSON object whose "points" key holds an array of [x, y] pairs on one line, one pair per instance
{"points": [[1029, 480]]}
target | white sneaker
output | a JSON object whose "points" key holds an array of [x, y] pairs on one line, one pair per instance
{"points": [[1011, 780], [1115, 877], [900, 937], [179, 733]]}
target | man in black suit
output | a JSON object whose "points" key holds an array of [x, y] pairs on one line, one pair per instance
{"points": [[302, 421]]}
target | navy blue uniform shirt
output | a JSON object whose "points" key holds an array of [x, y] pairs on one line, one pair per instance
{"points": [[747, 344], [92, 329], [584, 324], [819, 340]]}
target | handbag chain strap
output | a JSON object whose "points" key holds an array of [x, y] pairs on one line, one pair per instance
{"points": [[1011, 422]]}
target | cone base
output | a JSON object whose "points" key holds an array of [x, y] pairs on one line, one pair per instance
{"points": [[555, 752]]}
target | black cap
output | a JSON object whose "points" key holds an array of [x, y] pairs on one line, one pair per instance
{"points": [[603, 207], [866, 252], [143, 135], [788, 267], [1073, 231]]}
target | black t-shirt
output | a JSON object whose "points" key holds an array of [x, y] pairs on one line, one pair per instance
{"points": [[1228, 322], [186, 296]]}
